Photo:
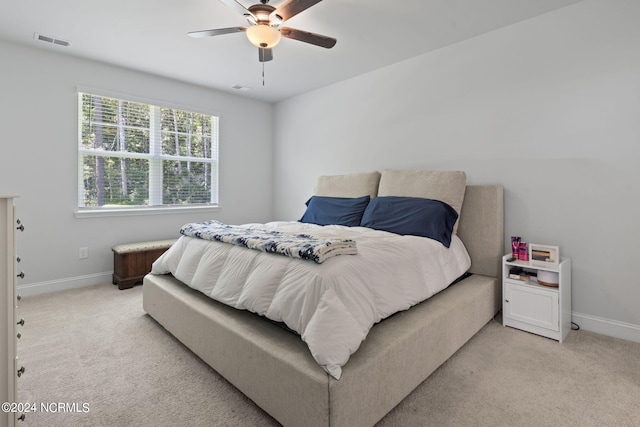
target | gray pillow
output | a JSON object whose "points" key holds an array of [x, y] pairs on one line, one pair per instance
{"points": [[351, 185]]}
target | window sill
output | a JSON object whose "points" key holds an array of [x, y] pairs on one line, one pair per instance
{"points": [[140, 211]]}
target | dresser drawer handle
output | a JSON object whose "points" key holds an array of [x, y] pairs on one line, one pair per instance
{"points": [[20, 322], [21, 275], [20, 371]]}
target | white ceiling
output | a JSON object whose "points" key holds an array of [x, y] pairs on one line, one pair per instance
{"points": [[151, 36]]}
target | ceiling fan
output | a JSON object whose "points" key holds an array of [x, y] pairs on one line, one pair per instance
{"points": [[265, 28]]}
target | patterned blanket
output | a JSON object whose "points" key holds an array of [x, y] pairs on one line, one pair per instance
{"points": [[301, 246]]}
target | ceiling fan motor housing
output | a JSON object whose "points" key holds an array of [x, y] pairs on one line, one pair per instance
{"points": [[262, 13]]}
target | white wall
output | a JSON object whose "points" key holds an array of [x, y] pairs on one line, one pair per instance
{"points": [[38, 161], [549, 108]]}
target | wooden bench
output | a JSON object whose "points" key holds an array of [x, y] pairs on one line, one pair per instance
{"points": [[132, 261]]}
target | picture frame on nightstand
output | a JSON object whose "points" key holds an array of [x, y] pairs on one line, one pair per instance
{"points": [[544, 255]]}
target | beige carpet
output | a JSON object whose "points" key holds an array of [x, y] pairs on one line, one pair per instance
{"points": [[96, 347]]}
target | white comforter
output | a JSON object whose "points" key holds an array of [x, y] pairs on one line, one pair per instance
{"points": [[331, 305]]}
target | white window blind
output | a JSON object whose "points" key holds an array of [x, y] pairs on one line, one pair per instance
{"points": [[132, 154]]}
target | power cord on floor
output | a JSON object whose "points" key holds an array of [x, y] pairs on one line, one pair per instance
{"points": [[575, 326]]}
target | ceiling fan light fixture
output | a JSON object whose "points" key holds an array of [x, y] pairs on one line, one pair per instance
{"points": [[264, 36]]}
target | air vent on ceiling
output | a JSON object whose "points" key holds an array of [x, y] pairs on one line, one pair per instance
{"points": [[50, 39]]}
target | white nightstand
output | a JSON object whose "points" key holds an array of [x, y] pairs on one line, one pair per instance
{"points": [[542, 310]]}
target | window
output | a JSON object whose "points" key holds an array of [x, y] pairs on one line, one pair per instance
{"points": [[132, 154]]}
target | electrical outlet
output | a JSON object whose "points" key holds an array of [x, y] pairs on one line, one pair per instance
{"points": [[83, 253]]}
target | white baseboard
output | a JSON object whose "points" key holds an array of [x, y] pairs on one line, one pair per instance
{"points": [[612, 328], [62, 284]]}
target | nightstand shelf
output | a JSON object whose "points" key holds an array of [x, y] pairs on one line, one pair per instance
{"points": [[532, 307]]}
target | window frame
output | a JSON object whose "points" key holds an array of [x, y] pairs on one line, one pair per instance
{"points": [[155, 158]]}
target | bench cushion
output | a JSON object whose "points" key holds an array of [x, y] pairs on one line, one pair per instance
{"points": [[143, 246]]}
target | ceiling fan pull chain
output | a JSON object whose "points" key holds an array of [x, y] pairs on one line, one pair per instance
{"points": [[262, 50]]}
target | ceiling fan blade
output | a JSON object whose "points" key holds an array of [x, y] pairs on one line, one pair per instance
{"points": [[216, 32], [307, 37], [291, 8], [265, 54], [238, 7]]}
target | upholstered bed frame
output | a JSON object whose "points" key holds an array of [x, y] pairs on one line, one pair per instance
{"points": [[275, 369]]}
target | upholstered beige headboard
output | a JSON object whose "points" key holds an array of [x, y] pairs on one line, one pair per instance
{"points": [[481, 222], [482, 228]]}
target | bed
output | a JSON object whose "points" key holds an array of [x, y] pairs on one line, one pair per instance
{"points": [[275, 368]]}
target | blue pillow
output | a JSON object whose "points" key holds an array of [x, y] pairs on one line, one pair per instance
{"points": [[411, 216], [335, 210]]}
